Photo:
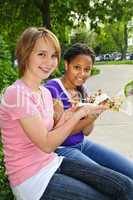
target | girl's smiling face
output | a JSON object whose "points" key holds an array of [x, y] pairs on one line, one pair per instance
{"points": [[78, 70], [43, 59]]}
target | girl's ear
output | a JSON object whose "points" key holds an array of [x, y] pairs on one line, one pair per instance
{"points": [[66, 65]]}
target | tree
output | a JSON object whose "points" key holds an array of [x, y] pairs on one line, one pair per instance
{"points": [[60, 16], [44, 8], [14, 20], [113, 13], [117, 14], [83, 34]]}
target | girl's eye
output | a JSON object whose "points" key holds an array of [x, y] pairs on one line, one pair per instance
{"points": [[54, 56], [76, 67], [41, 54], [87, 70]]}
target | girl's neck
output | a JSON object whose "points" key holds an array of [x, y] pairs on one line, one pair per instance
{"points": [[31, 83], [67, 84]]}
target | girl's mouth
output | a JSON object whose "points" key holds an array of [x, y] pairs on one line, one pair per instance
{"points": [[45, 70]]}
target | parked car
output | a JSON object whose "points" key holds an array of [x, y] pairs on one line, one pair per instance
{"points": [[128, 56], [107, 57], [131, 56], [99, 58]]}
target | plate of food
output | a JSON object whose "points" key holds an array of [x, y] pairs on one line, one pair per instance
{"points": [[101, 98]]}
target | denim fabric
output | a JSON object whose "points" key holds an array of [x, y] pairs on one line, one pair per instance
{"points": [[77, 181], [62, 187], [90, 152]]}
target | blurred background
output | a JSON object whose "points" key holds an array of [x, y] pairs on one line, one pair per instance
{"points": [[104, 25]]}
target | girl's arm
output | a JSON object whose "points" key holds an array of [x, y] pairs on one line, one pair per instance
{"points": [[35, 129], [88, 129], [84, 124]]}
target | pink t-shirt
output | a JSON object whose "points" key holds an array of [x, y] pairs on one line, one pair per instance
{"points": [[23, 159]]}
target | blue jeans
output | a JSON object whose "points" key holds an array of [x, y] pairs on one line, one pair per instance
{"points": [[77, 181], [90, 152]]}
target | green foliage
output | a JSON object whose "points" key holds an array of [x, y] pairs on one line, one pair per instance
{"points": [[83, 34], [64, 16], [95, 71], [5, 191], [115, 62], [59, 71], [104, 41], [130, 49], [128, 89], [8, 74]]}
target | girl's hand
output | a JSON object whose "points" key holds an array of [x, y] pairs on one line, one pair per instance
{"points": [[86, 110], [80, 113], [66, 115]]}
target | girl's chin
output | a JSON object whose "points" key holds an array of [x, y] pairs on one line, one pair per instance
{"points": [[79, 83], [46, 75]]}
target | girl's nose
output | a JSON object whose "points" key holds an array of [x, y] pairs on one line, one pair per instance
{"points": [[82, 72], [47, 61]]}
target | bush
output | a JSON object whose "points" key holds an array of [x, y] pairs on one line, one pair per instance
{"points": [[5, 191], [59, 71], [128, 89], [8, 75], [95, 71]]}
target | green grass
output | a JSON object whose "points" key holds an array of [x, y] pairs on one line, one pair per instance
{"points": [[95, 71], [115, 62]]}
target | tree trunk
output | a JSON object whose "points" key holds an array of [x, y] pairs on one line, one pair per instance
{"points": [[44, 7], [125, 42], [46, 13]]}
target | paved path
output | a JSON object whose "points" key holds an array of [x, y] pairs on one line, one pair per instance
{"points": [[113, 129]]}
